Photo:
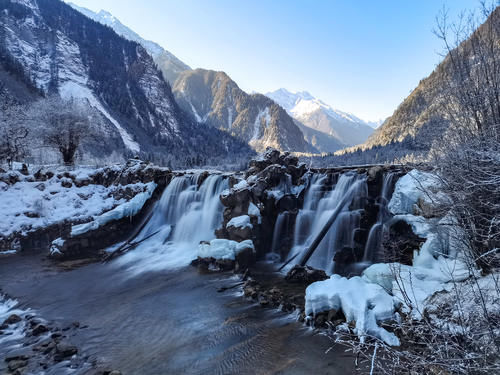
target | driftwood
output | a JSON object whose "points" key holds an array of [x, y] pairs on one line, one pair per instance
{"points": [[127, 246], [325, 229]]}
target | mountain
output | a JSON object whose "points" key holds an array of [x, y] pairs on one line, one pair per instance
{"points": [[169, 65], [348, 129], [51, 49], [213, 98], [422, 118]]}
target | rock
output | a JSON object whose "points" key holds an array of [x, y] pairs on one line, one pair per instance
{"points": [[24, 170], [348, 255], [13, 319], [17, 357], [401, 243], [66, 182], [39, 329], [65, 349], [236, 197], [305, 274], [239, 233], [16, 365], [244, 259]]}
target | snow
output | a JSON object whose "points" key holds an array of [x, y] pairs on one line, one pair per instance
{"points": [[28, 205], [72, 89], [8, 252], [414, 285], [301, 104], [223, 249], [262, 115], [243, 184], [412, 187], [362, 302], [253, 210], [242, 221], [127, 209]]}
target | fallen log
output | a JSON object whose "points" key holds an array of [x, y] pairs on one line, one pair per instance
{"points": [[326, 227]]}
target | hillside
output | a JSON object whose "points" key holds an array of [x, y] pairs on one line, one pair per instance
{"points": [[213, 98], [50, 48]]}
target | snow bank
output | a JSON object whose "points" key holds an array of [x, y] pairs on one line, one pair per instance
{"points": [[414, 285], [410, 188], [242, 221], [28, 205], [127, 209], [223, 249], [362, 302]]}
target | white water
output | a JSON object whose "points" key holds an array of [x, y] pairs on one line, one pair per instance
{"points": [[184, 216], [316, 213], [375, 236]]}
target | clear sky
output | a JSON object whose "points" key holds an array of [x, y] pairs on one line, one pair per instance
{"points": [[360, 56]]}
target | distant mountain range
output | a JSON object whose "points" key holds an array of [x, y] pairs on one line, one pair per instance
{"points": [[337, 130], [53, 47], [345, 127]]}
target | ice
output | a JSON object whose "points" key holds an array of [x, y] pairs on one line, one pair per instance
{"points": [[223, 249], [362, 302], [242, 221]]}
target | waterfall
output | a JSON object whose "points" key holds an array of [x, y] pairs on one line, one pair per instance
{"points": [[186, 214], [318, 208], [375, 236]]}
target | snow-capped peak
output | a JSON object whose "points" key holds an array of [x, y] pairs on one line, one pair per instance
{"points": [[302, 103]]}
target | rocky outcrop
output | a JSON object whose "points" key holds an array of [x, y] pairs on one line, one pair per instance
{"points": [[123, 179], [270, 186]]}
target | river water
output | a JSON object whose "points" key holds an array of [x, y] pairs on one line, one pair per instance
{"points": [[168, 322]]}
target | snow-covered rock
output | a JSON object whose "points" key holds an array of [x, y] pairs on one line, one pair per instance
{"points": [[223, 249], [362, 302], [412, 187], [242, 221], [127, 209]]}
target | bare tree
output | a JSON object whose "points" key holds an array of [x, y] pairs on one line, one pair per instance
{"points": [[468, 160], [66, 125], [13, 135]]}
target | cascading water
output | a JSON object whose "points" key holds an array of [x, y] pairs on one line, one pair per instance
{"points": [[185, 215], [375, 236], [316, 213]]}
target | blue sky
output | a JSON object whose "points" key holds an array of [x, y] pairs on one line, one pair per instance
{"points": [[360, 56]]}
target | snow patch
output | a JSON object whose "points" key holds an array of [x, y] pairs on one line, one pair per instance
{"points": [[223, 249], [242, 221], [127, 209]]}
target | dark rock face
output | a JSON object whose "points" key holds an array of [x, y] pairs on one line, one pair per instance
{"points": [[305, 275], [400, 243], [13, 319], [268, 175]]}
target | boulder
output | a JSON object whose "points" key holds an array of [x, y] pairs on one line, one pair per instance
{"points": [[245, 258], [305, 275], [13, 319], [235, 197], [65, 349]]}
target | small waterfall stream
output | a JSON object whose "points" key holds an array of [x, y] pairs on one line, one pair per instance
{"points": [[375, 236], [318, 208], [186, 214]]}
